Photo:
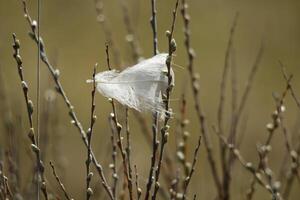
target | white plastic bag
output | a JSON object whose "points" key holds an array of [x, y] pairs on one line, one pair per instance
{"points": [[139, 87]]}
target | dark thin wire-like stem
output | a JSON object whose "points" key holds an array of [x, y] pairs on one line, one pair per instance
{"points": [[187, 179], [154, 26], [118, 127], [61, 185], [29, 105], [221, 107], [224, 76], [155, 124], [55, 75], [196, 93], [164, 129], [155, 143], [89, 174]]}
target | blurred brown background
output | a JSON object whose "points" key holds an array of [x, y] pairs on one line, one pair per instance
{"points": [[75, 41]]}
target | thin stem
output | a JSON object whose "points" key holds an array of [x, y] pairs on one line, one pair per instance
{"points": [[128, 147], [291, 88], [38, 78], [196, 93], [237, 116], [113, 166], [188, 178], [55, 75], [226, 173], [29, 105], [271, 127], [155, 124], [154, 26], [247, 165], [118, 127], [138, 189], [61, 185], [165, 128], [89, 174]]}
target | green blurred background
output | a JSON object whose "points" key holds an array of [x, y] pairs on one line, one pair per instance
{"points": [[75, 41]]}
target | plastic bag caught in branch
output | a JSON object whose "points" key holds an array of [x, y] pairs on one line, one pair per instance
{"points": [[140, 87]]}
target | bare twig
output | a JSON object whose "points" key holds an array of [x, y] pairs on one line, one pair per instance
{"points": [[55, 74], [155, 124], [89, 174], [165, 128], [113, 166], [29, 105], [246, 93], [138, 189], [225, 74], [196, 93], [271, 127], [61, 185], [292, 153], [182, 144], [292, 174], [154, 26], [247, 165], [118, 127], [291, 88], [188, 178], [128, 147], [155, 143], [226, 173], [237, 116]]}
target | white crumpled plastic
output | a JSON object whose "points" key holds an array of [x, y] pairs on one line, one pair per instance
{"points": [[139, 87]]}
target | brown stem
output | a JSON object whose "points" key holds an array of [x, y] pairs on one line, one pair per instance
{"points": [[55, 75], [196, 93]]}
